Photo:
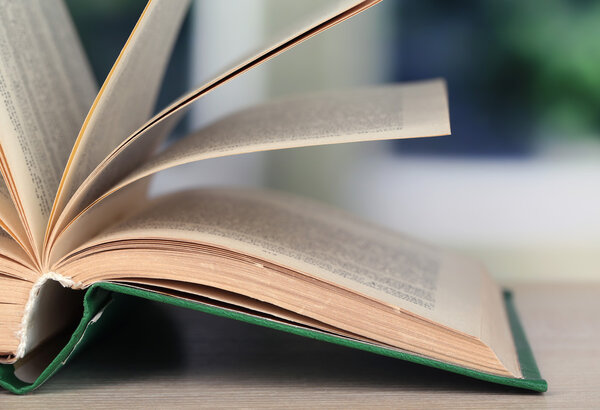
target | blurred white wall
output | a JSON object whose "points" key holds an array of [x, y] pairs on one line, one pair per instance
{"points": [[526, 219]]}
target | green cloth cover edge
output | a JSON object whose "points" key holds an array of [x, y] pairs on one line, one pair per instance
{"points": [[98, 296]]}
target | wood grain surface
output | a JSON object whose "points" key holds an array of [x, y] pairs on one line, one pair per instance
{"points": [[156, 356]]}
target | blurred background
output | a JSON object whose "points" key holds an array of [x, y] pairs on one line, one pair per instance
{"points": [[517, 185]]}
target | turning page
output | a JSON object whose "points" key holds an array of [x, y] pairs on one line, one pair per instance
{"points": [[409, 110]]}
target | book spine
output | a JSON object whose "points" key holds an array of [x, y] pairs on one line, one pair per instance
{"points": [[29, 331]]}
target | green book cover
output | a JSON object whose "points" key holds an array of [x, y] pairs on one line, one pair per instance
{"points": [[98, 298]]}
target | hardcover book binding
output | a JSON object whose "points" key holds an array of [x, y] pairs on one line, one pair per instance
{"points": [[98, 298], [74, 210]]}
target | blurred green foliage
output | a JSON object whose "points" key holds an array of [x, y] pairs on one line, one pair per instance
{"points": [[548, 53]]}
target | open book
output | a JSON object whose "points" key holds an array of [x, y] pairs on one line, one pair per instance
{"points": [[77, 226]]}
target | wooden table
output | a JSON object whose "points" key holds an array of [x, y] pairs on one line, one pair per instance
{"points": [[175, 357]]}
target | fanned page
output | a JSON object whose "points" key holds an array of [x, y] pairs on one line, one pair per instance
{"points": [[256, 243], [73, 196], [46, 88], [409, 110], [127, 97]]}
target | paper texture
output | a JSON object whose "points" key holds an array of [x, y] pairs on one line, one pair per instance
{"points": [[11, 222], [127, 98], [46, 88]]}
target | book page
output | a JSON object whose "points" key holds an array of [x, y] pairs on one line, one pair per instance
{"points": [[408, 110], [327, 15], [10, 249], [393, 111], [10, 221], [46, 87], [312, 238], [128, 95], [322, 243], [97, 219]]}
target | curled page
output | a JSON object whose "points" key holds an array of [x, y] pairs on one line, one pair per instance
{"points": [[377, 113]]}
